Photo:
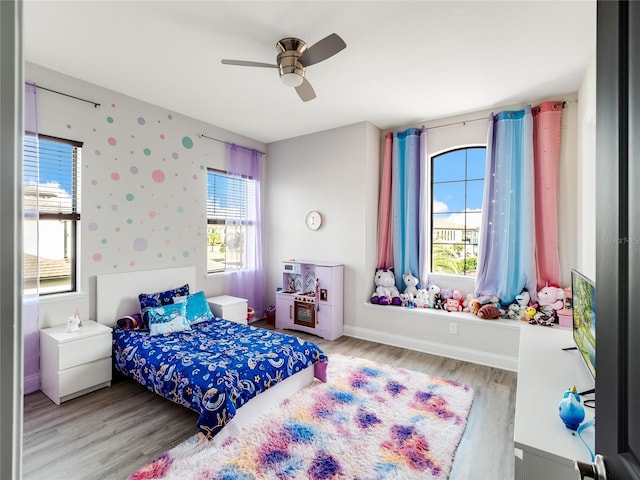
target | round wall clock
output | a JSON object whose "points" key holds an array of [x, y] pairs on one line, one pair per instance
{"points": [[313, 220]]}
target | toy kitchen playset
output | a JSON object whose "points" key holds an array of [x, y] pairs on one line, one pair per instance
{"points": [[311, 298]]}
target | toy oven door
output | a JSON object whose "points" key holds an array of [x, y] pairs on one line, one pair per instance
{"points": [[304, 314]]}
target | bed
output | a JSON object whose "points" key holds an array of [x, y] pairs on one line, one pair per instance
{"points": [[227, 372]]}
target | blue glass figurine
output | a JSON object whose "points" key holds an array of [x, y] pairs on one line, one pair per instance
{"points": [[571, 409]]}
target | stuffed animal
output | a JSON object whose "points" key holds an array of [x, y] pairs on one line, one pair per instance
{"points": [[411, 284], [515, 312], [488, 312], [529, 313], [453, 305], [386, 292], [552, 297], [438, 303], [475, 306], [523, 298], [422, 298], [466, 304], [404, 299], [433, 290]]}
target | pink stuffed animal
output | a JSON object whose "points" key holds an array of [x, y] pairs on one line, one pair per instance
{"points": [[551, 296]]}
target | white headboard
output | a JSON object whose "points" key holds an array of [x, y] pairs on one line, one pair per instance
{"points": [[117, 293]]}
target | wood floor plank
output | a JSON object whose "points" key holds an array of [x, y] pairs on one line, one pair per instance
{"points": [[110, 433]]}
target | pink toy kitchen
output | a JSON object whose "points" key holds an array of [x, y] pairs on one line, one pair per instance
{"points": [[311, 299]]}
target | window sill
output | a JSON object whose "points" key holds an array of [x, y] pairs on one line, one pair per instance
{"points": [[59, 297], [464, 317]]}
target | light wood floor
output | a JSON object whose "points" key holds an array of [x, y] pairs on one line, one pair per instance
{"points": [[111, 433]]}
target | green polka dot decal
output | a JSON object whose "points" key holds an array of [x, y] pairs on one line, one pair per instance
{"points": [[187, 142]]}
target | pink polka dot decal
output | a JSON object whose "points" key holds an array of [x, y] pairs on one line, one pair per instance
{"points": [[112, 141], [152, 214], [158, 176], [97, 257], [115, 176]]}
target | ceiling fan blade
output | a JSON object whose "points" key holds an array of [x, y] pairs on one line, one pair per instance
{"points": [[325, 48], [305, 91], [244, 63]]}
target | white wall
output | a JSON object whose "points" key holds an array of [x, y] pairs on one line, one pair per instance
{"points": [[586, 175], [131, 218], [336, 173]]}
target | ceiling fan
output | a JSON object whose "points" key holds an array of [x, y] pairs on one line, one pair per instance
{"points": [[294, 57]]}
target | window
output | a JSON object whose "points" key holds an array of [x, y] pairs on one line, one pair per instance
{"points": [[52, 213], [231, 220], [456, 210]]}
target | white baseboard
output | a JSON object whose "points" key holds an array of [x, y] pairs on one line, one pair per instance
{"points": [[503, 362]]}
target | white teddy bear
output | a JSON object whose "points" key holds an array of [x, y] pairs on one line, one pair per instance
{"points": [[422, 298]]}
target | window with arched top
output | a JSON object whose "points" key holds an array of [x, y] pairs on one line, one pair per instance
{"points": [[457, 185]]}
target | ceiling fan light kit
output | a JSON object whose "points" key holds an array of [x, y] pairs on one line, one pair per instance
{"points": [[293, 58]]}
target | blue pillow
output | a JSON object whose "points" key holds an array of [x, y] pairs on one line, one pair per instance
{"points": [[198, 308], [159, 299], [167, 319]]}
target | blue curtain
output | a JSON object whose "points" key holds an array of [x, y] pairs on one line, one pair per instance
{"points": [[407, 157], [506, 260]]}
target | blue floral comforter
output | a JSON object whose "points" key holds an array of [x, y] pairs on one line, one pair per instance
{"points": [[215, 368]]}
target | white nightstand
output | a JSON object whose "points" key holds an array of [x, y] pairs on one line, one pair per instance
{"points": [[76, 363], [229, 308]]}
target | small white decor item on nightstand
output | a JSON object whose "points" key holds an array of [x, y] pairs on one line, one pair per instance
{"points": [[73, 324]]}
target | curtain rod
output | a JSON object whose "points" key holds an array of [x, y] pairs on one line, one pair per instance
{"points": [[464, 122], [202, 135], [95, 105]]}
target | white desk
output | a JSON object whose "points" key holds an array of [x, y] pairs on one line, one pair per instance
{"points": [[546, 447]]}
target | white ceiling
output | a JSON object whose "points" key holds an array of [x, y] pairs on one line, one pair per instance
{"points": [[405, 62]]}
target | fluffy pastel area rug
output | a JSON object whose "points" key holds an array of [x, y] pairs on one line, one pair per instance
{"points": [[369, 421]]}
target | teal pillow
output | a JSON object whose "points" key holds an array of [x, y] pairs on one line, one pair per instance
{"points": [[198, 308], [168, 319]]}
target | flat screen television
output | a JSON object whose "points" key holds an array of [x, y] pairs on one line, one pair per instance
{"points": [[583, 291]]}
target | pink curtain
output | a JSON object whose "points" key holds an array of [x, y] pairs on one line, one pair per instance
{"points": [[385, 244], [547, 118]]}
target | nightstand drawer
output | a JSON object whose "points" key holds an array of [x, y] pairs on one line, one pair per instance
{"points": [[78, 378], [83, 350]]}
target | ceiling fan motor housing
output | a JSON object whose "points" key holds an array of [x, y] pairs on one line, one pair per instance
{"points": [[289, 52]]}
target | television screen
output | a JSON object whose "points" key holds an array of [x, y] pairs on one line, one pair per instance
{"points": [[584, 318]]}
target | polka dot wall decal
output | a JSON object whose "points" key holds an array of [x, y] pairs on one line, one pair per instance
{"points": [[129, 197], [97, 152], [180, 209], [159, 255], [132, 136], [141, 121], [152, 214], [133, 170], [170, 117], [115, 176], [112, 141], [147, 151], [161, 137], [92, 227], [109, 119], [195, 177], [167, 242], [132, 263], [117, 229], [97, 257], [114, 208], [129, 221], [113, 105], [140, 244], [158, 176], [185, 254], [174, 155], [94, 182], [201, 167], [187, 142], [103, 241], [68, 125]]}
